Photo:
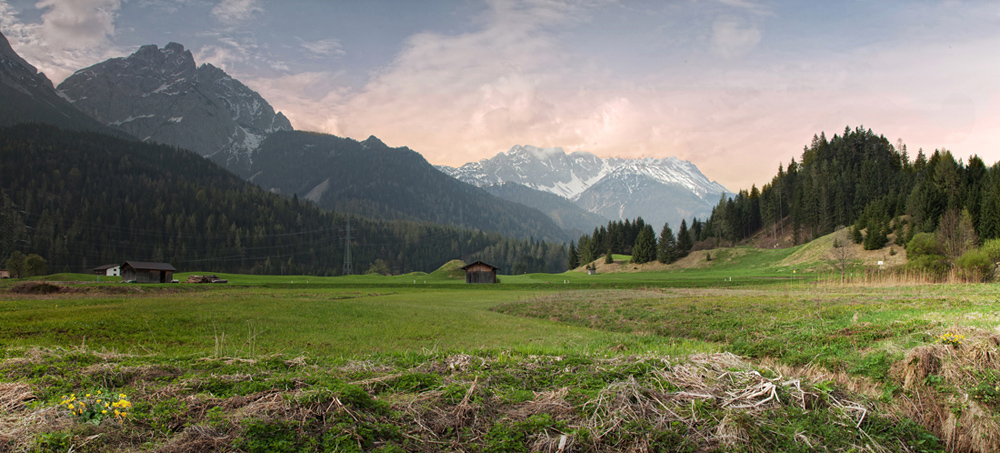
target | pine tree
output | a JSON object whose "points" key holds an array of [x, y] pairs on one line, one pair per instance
{"points": [[644, 249], [666, 247], [609, 258]]}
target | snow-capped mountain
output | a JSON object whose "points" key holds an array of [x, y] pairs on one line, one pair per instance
{"points": [[160, 95], [659, 190]]}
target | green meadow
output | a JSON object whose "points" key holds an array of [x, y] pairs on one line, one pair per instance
{"points": [[750, 350]]}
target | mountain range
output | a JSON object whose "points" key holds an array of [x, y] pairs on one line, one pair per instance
{"points": [[659, 190], [161, 95]]}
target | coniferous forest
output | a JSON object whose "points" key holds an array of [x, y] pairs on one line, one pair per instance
{"points": [[83, 199], [858, 180], [861, 180]]}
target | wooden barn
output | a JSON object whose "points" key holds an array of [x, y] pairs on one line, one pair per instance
{"points": [[480, 272], [143, 272]]}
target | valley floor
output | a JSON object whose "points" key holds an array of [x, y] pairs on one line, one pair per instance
{"points": [[631, 362]]}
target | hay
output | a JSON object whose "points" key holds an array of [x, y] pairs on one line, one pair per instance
{"points": [[13, 396]]}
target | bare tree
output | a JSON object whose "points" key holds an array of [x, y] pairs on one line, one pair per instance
{"points": [[842, 253], [956, 233]]}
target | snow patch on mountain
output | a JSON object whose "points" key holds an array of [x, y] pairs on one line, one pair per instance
{"points": [[569, 175]]}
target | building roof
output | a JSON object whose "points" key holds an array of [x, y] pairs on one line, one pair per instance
{"points": [[106, 267], [147, 266], [467, 266]]}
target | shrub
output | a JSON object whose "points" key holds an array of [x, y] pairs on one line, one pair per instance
{"points": [[992, 249], [925, 253], [975, 265], [933, 264], [923, 244]]}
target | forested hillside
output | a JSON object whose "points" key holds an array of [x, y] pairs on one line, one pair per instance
{"points": [[85, 199], [371, 179], [861, 179]]}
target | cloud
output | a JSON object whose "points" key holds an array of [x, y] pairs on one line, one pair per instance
{"points": [[72, 34], [324, 48], [74, 24], [235, 12], [732, 38]]}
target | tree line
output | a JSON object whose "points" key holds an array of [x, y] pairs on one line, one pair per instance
{"points": [[635, 238], [83, 199]]}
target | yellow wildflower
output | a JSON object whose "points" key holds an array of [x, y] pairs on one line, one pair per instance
{"points": [[105, 411]]}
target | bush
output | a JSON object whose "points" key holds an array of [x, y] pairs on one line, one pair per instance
{"points": [[992, 249], [975, 265], [925, 253], [935, 264], [923, 244]]}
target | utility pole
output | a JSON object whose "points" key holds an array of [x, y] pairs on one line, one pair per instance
{"points": [[348, 267]]}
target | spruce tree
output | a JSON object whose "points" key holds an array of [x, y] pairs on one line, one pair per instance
{"points": [[608, 258], [574, 259], [684, 242], [666, 247], [644, 249]]}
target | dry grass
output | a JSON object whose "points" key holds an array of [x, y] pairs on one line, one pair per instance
{"points": [[711, 401], [935, 376]]}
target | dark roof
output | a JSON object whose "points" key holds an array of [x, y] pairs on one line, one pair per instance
{"points": [[479, 262], [106, 267], [150, 266]]}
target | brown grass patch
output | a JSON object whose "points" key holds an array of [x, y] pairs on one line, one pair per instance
{"points": [[939, 378]]}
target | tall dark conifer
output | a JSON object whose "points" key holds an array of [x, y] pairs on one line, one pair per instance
{"points": [[684, 242], [666, 247], [574, 259], [644, 249]]}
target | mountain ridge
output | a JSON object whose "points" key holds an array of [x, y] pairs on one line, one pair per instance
{"points": [[615, 188]]}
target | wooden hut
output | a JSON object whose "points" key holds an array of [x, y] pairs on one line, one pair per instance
{"points": [[143, 272], [480, 272], [4, 273], [110, 270]]}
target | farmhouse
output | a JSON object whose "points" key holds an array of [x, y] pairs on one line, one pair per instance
{"points": [[480, 272], [143, 272], [111, 270]]}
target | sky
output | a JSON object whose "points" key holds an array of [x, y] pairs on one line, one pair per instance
{"points": [[737, 87]]}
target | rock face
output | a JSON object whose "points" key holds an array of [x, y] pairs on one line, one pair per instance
{"points": [[658, 190], [26, 95], [160, 95]]}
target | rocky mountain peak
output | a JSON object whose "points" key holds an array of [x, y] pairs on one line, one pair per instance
{"points": [[160, 94]]}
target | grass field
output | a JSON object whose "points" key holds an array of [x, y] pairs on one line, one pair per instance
{"points": [[744, 353]]}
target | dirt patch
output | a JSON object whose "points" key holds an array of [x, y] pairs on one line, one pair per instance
{"points": [[38, 288]]}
